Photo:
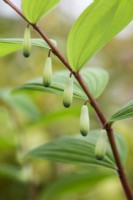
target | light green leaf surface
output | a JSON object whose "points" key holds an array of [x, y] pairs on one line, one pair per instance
{"points": [[95, 78], [6, 144], [20, 103], [125, 112], [96, 26], [35, 9], [10, 45], [79, 150], [74, 184]]}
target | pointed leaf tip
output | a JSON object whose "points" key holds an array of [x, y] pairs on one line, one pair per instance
{"points": [[35, 9], [124, 112], [95, 27]]}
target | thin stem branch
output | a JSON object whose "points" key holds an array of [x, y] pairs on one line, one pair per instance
{"points": [[105, 125]]}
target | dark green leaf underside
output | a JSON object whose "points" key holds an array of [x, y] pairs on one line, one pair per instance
{"points": [[125, 112], [79, 150], [95, 78], [74, 184]]}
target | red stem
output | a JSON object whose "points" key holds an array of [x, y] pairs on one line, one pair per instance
{"points": [[105, 125]]}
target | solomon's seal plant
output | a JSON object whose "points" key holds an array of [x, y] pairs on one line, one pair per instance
{"points": [[94, 28]]}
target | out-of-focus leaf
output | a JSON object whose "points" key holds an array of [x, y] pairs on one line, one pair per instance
{"points": [[10, 172], [95, 78], [73, 183], [21, 103], [34, 10], [79, 150], [96, 26], [125, 112], [10, 45], [15, 173], [55, 115], [5, 144]]}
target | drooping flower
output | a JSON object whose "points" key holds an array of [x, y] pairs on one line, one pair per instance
{"points": [[47, 72], [68, 93], [100, 149], [27, 43], [84, 120]]}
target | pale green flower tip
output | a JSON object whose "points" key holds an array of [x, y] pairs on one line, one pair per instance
{"points": [[26, 53], [66, 104], [68, 93], [47, 73], [100, 157], [84, 132], [46, 84], [27, 43]]}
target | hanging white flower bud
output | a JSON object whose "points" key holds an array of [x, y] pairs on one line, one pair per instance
{"points": [[68, 93], [84, 120], [27, 43], [100, 149], [47, 72]]}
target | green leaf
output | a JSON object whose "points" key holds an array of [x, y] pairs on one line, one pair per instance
{"points": [[79, 150], [14, 173], [10, 172], [73, 183], [20, 102], [96, 26], [34, 10], [6, 144], [10, 45], [95, 78], [125, 112]]}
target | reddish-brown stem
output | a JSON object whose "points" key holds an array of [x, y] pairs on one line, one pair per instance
{"points": [[105, 125], [110, 133]]}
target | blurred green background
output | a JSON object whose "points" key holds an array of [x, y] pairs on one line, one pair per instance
{"points": [[34, 118]]}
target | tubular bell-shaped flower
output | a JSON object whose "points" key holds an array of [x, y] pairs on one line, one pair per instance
{"points": [[84, 121], [100, 149], [27, 43], [68, 93], [47, 72]]}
